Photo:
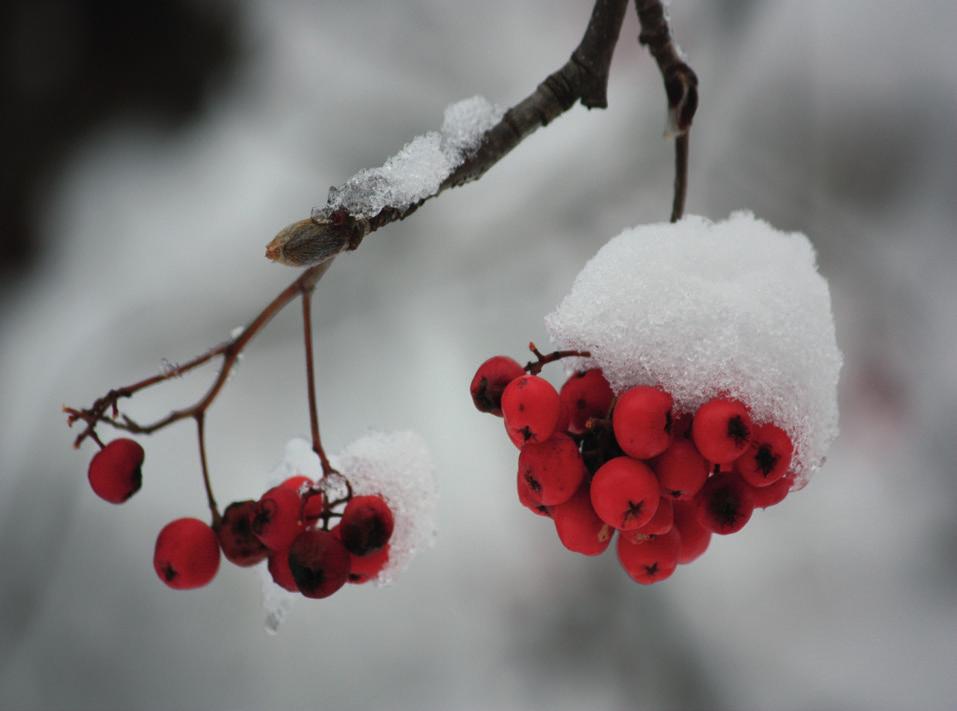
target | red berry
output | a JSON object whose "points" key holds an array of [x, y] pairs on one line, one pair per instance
{"points": [[312, 502], [366, 524], [276, 518], [662, 521], [553, 469], [364, 568], [721, 430], [187, 554], [624, 493], [115, 471], [767, 496], [681, 425], [694, 537], [681, 470], [768, 457], [528, 499], [642, 421], [280, 571], [586, 394], [531, 408], [490, 381], [579, 527], [724, 504], [236, 537], [564, 418], [319, 563], [650, 560]]}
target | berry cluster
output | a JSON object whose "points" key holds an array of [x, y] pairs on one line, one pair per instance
{"points": [[289, 526], [665, 480]]}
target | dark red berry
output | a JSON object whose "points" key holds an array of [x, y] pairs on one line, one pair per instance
{"points": [[364, 568], [531, 408], [490, 381], [649, 560], [662, 521], [578, 526], [694, 537], [624, 493], [767, 496], [115, 471], [280, 571], [187, 554], [768, 457], [553, 470], [236, 537], [724, 504], [366, 524], [642, 421], [528, 499], [586, 394], [319, 563], [276, 518], [681, 470], [721, 430], [681, 425]]}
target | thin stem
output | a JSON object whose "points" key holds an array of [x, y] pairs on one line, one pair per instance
{"points": [[311, 382], [681, 175], [534, 367], [210, 499]]}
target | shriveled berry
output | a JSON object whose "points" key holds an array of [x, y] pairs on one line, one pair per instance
{"points": [[186, 554], [490, 380], [280, 571], [553, 469], [578, 526], [624, 493], [276, 518], [366, 524], [363, 568], [115, 471], [695, 538], [319, 563], [721, 430], [531, 408], [767, 458], [586, 394], [767, 496], [642, 421], [528, 499], [681, 470], [724, 504], [236, 538], [662, 521], [651, 559]]}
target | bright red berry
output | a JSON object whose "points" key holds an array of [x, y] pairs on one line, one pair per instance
{"points": [[724, 504], [721, 430], [187, 554], [694, 537], [625, 493], [767, 496], [363, 568], [280, 571], [366, 524], [553, 469], [312, 502], [662, 521], [115, 471], [531, 408], [586, 394], [490, 381], [579, 527], [276, 518], [649, 560], [642, 421], [319, 563], [528, 499], [236, 537], [681, 470], [768, 457]]}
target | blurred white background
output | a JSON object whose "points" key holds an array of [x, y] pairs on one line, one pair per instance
{"points": [[835, 119]]}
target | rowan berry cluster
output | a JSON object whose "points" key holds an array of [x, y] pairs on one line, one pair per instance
{"points": [[289, 526], [664, 480]]}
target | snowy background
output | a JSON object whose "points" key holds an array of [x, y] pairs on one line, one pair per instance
{"points": [[835, 119]]}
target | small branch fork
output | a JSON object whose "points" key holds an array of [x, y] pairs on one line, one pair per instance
{"points": [[534, 367]]}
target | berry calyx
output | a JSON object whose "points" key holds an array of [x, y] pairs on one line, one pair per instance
{"points": [[366, 524], [490, 381], [681, 470], [235, 534], [724, 504], [642, 421], [649, 560], [276, 518], [722, 430], [578, 526], [695, 538], [319, 563], [624, 493], [527, 499], [186, 554], [768, 457], [531, 407], [115, 472], [553, 470], [586, 394]]}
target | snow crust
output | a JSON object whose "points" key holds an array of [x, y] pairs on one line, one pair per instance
{"points": [[708, 308], [417, 171]]}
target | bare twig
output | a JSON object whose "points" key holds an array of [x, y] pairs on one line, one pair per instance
{"points": [[210, 499], [534, 367], [311, 381]]}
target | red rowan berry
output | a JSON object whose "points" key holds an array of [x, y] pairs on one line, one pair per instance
{"points": [[528, 499], [767, 496], [187, 554], [625, 493], [319, 563], [695, 538], [586, 394], [366, 524], [280, 571], [236, 537], [721, 430], [724, 504], [662, 521], [768, 457], [312, 501], [276, 518], [642, 421], [531, 408], [363, 568], [490, 381], [578, 526], [681, 470], [115, 471], [650, 560], [553, 469]]}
